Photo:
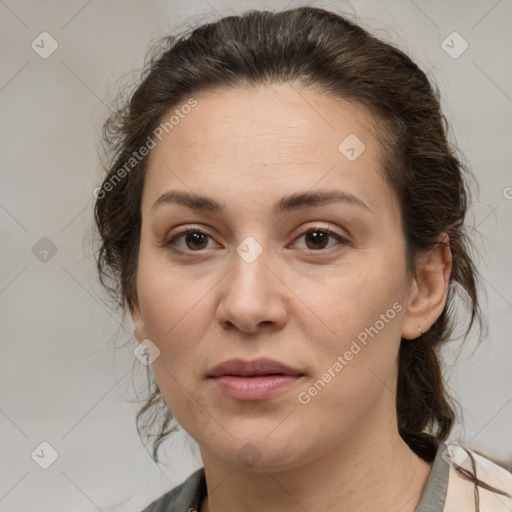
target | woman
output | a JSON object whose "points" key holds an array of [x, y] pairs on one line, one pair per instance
{"points": [[283, 217]]}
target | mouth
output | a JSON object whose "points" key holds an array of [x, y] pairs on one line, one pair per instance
{"points": [[256, 368], [259, 379]]}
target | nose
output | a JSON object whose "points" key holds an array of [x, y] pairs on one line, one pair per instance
{"points": [[253, 297]]}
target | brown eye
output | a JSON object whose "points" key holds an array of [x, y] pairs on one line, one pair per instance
{"points": [[194, 240], [318, 238]]}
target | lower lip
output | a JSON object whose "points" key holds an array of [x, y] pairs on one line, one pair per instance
{"points": [[254, 388]]}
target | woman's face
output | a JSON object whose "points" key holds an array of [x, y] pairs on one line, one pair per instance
{"points": [[260, 276]]}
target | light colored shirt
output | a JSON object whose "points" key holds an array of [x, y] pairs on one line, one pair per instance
{"points": [[446, 489]]}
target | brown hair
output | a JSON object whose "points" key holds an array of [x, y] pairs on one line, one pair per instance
{"points": [[327, 53]]}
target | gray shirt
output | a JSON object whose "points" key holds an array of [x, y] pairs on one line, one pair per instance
{"points": [[188, 496]]}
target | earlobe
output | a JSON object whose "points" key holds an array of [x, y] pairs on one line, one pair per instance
{"points": [[138, 324], [429, 289]]}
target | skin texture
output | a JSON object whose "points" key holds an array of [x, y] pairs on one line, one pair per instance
{"points": [[301, 302]]}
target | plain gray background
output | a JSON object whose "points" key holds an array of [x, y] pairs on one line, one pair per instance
{"points": [[61, 382]]}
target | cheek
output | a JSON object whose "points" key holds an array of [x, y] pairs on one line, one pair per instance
{"points": [[352, 298], [169, 297], [176, 314], [355, 372], [176, 323], [356, 340]]}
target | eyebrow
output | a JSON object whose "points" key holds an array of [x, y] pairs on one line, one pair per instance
{"points": [[284, 205]]}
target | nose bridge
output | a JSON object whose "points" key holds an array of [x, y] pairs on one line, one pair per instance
{"points": [[251, 294], [250, 275]]}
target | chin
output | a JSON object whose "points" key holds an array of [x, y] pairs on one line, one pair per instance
{"points": [[261, 452]]}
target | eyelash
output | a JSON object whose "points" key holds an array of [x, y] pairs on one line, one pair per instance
{"points": [[170, 243]]}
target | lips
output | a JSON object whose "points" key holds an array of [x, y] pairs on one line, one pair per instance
{"points": [[260, 379], [255, 368]]}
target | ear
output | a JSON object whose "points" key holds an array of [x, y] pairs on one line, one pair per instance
{"points": [[138, 324], [429, 289]]}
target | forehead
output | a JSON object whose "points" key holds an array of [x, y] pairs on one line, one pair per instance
{"points": [[273, 120], [267, 139]]}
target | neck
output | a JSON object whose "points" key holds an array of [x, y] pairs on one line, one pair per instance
{"points": [[357, 474]]}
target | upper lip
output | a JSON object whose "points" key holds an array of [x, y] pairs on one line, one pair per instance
{"points": [[261, 366]]}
